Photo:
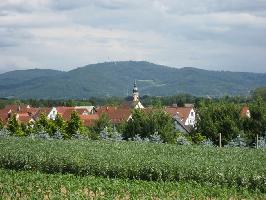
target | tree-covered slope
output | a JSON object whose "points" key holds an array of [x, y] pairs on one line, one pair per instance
{"points": [[116, 79]]}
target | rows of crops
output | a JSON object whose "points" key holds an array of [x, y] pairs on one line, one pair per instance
{"points": [[230, 167], [35, 185]]}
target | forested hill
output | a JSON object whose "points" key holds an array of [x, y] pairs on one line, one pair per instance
{"points": [[116, 79]]}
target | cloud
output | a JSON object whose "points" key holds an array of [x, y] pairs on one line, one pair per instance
{"points": [[64, 34]]}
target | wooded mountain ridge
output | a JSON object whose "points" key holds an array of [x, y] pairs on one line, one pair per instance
{"points": [[116, 79]]}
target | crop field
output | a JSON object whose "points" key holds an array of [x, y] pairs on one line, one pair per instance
{"points": [[230, 167], [36, 185]]}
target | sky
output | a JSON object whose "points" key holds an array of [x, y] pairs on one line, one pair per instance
{"points": [[65, 34]]}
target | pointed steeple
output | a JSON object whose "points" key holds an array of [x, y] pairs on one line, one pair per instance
{"points": [[135, 92]]}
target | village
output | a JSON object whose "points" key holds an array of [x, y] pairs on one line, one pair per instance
{"points": [[184, 118]]}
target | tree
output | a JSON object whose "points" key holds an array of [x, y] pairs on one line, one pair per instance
{"points": [[219, 117], [137, 125], [59, 123], [14, 127], [1, 124], [74, 125], [162, 123], [256, 124], [44, 124], [146, 125], [28, 128], [102, 123]]}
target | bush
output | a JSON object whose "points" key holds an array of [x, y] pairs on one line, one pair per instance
{"points": [[262, 142], [156, 138], [237, 142], [4, 133], [182, 141], [57, 135], [207, 143]]}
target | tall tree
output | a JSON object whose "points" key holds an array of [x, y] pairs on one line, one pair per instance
{"points": [[219, 117], [102, 123], [256, 124], [74, 125], [14, 127]]}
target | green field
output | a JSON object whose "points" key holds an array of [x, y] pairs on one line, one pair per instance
{"points": [[36, 185], [238, 167]]}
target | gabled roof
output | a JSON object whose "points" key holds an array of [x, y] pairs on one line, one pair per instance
{"points": [[24, 112], [182, 112], [24, 118], [3, 117], [66, 112], [131, 104], [40, 111], [187, 129], [89, 120], [115, 114]]}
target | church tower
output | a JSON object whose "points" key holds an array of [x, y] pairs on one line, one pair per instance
{"points": [[135, 93]]}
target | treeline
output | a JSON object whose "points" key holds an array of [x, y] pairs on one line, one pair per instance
{"points": [[259, 92], [178, 100], [223, 117], [154, 126]]}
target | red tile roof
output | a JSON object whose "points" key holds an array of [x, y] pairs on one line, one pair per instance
{"points": [[115, 114], [89, 120], [24, 118], [182, 112]]}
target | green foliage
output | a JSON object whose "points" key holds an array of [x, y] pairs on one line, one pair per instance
{"points": [[14, 127], [43, 124], [137, 125], [219, 117], [233, 167], [147, 124], [256, 124], [1, 124], [102, 123], [36, 185], [59, 123], [74, 125], [162, 123], [259, 92], [197, 138]]}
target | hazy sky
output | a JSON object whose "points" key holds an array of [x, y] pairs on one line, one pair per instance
{"points": [[64, 34]]}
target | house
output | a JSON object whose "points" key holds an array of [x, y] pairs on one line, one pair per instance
{"points": [[184, 117], [180, 126], [23, 113], [187, 115]]}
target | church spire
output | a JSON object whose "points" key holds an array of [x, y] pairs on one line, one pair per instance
{"points": [[135, 92]]}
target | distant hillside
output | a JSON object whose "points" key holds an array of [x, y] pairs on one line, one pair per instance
{"points": [[116, 79]]}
